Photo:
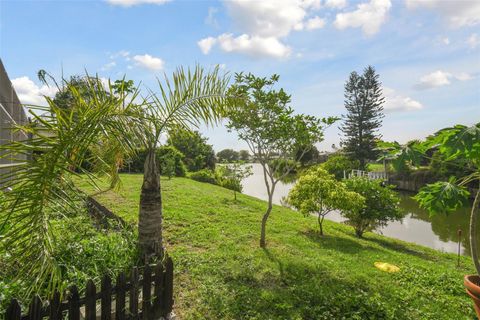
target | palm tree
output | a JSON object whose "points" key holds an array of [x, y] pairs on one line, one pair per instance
{"points": [[41, 188], [190, 98]]}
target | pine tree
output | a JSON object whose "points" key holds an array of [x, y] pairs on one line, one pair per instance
{"points": [[364, 103]]}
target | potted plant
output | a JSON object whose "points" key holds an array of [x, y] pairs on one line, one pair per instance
{"points": [[458, 142]]}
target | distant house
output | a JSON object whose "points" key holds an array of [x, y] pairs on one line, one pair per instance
{"points": [[11, 114]]}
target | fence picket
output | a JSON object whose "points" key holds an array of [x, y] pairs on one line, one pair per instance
{"points": [[120, 297], [133, 301], [168, 297], [14, 311], [74, 304], [146, 291], [35, 310], [106, 288], [90, 301], [55, 307], [158, 289]]}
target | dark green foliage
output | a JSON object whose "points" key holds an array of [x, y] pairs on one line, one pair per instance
{"points": [[197, 153], [404, 158], [168, 158], [364, 104], [204, 175], [307, 156], [337, 164], [443, 168], [442, 196], [381, 205], [228, 155], [83, 251], [244, 155]]}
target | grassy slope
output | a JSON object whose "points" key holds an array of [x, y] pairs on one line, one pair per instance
{"points": [[221, 273]]}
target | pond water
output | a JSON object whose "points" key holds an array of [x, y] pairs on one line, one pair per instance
{"points": [[438, 232]]}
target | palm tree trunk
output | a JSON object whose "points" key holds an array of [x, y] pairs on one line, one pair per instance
{"points": [[150, 215], [473, 231]]}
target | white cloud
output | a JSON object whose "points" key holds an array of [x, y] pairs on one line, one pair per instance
{"points": [[459, 13], [149, 62], [109, 65], [129, 3], [30, 93], [268, 18], [397, 102], [473, 41], [206, 44], [337, 4], [263, 24], [368, 16], [446, 41], [437, 78], [315, 23], [253, 45], [463, 76], [441, 78], [210, 19], [121, 53]]}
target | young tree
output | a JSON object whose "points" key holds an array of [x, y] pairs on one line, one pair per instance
{"points": [[262, 118], [234, 175], [364, 104], [381, 205], [227, 155], [318, 192]]}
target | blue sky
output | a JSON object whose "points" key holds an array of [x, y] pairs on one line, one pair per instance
{"points": [[427, 52]]}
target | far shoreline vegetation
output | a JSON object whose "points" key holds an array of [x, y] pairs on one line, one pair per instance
{"points": [[235, 256]]}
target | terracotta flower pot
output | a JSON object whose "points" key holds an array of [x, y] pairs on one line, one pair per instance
{"points": [[472, 285]]}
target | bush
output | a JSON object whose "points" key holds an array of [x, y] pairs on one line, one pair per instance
{"points": [[337, 164], [204, 175], [169, 161], [381, 205]]}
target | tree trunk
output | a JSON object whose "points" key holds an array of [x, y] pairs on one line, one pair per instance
{"points": [[263, 243], [473, 231], [150, 215], [320, 224]]}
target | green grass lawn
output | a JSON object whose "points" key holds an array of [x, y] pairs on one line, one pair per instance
{"points": [[221, 273]]}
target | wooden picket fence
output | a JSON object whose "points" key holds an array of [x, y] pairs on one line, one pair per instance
{"points": [[146, 296]]}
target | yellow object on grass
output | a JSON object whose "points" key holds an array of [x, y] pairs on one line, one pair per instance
{"points": [[387, 267]]}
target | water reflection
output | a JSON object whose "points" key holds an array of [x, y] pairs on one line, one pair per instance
{"points": [[438, 232]]}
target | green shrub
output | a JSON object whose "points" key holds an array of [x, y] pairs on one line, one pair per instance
{"points": [[337, 164], [169, 161], [381, 205], [204, 175]]}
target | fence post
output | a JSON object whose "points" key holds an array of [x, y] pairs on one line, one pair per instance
{"points": [[14, 311], [90, 301], [106, 302], [120, 298], [55, 310], [158, 290], [35, 310], [74, 304], [146, 291], [168, 297], [134, 293]]}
